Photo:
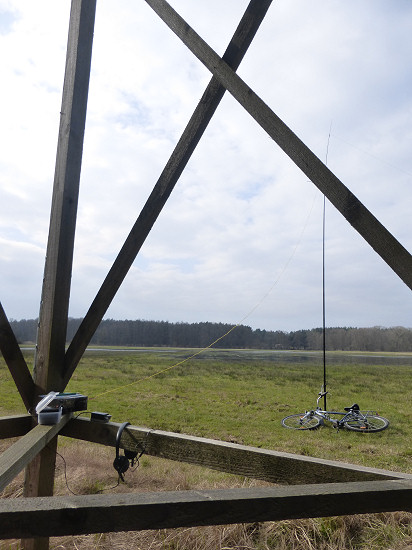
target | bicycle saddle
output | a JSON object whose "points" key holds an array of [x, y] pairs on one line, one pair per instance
{"points": [[355, 407]]}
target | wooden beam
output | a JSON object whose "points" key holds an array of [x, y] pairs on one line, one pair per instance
{"points": [[263, 464], [193, 132], [379, 238], [51, 338], [15, 361], [77, 515], [15, 426], [17, 456]]}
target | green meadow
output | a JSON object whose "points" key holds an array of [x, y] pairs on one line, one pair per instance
{"points": [[242, 396], [239, 396]]}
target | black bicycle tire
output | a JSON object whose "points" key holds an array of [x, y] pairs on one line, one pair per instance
{"points": [[365, 428], [301, 427]]}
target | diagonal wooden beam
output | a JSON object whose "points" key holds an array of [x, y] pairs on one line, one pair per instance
{"points": [[252, 462], [379, 238], [77, 515], [15, 361], [202, 115], [17, 456]]}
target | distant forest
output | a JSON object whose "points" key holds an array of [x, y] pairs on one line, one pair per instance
{"points": [[199, 335]]}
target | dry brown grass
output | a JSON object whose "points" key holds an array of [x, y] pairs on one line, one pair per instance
{"points": [[89, 470]]}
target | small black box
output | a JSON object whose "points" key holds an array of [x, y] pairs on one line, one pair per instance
{"points": [[100, 417]]}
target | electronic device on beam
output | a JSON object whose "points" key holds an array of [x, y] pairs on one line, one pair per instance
{"points": [[52, 406]]}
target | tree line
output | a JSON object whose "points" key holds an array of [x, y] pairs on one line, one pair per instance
{"points": [[144, 333]]}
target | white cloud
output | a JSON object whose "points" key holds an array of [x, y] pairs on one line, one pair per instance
{"points": [[242, 215]]}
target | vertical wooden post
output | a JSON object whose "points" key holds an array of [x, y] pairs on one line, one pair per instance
{"points": [[54, 306], [57, 273]]}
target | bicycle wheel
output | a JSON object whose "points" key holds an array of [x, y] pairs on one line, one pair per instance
{"points": [[367, 424], [301, 422]]}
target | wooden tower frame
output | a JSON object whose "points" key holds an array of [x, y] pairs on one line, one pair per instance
{"points": [[338, 488]]}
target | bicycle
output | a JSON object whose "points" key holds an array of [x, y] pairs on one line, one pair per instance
{"points": [[352, 419]]}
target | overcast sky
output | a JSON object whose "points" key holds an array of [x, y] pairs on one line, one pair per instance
{"points": [[240, 239]]}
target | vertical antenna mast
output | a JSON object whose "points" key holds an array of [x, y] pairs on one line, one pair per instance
{"points": [[323, 302], [323, 283]]}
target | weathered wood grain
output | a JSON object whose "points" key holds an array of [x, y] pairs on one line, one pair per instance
{"points": [[17, 456], [378, 237], [51, 338], [263, 464], [54, 307], [75, 515]]}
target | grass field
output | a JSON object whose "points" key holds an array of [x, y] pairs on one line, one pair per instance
{"points": [[242, 397]]}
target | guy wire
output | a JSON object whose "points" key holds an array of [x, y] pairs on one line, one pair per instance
{"points": [[276, 281], [271, 288]]}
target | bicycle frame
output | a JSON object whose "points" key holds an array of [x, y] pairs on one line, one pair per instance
{"points": [[352, 418], [344, 416]]}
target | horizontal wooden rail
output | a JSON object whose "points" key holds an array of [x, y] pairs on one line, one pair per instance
{"points": [[15, 426], [76, 515], [263, 464], [16, 457]]}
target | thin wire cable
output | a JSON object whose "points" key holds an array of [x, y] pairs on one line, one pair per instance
{"points": [[268, 293], [286, 265], [67, 482], [379, 159], [142, 452], [65, 474]]}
